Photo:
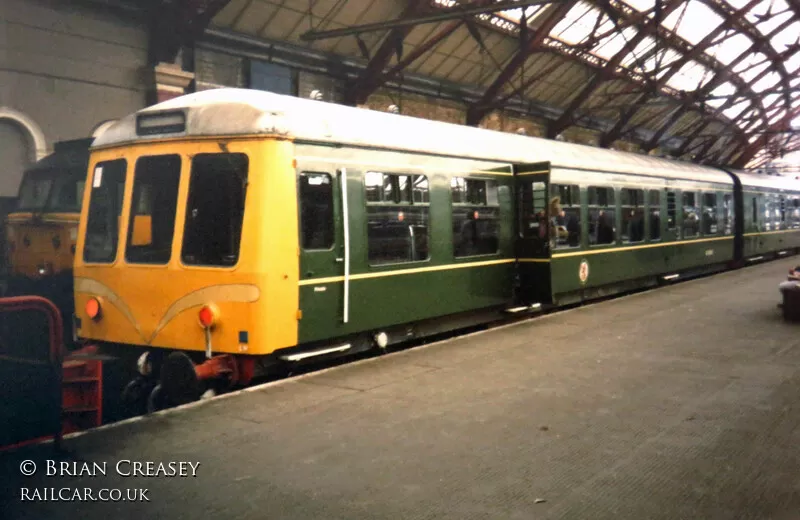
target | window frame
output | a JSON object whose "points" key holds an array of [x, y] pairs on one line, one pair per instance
{"points": [[133, 212], [488, 202], [650, 209], [574, 191], [91, 180], [185, 216], [397, 204], [638, 204], [612, 206], [332, 178]]}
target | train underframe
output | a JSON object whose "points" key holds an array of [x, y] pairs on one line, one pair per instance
{"points": [[148, 379]]}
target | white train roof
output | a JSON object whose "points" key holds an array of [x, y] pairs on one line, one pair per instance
{"points": [[230, 112]]}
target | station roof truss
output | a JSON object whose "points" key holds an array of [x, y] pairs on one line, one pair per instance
{"points": [[711, 81]]}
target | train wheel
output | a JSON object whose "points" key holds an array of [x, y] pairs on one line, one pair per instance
{"points": [[135, 396], [155, 401]]}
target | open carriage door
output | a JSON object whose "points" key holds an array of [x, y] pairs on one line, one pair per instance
{"points": [[533, 232]]}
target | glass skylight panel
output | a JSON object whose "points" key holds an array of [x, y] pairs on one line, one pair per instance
{"points": [[777, 117], [786, 37], [770, 99], [689, 77], [738, 4], [639, 54], [696, 21], [772, 23], [611, 45], [734, 111], [663, 59], [768, 81], [577, 25], [767, 7], [731, 48], [531, 13], [726, 89], [641, 5]]}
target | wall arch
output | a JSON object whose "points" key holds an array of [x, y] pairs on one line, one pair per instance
{"points": [[33, 131]]}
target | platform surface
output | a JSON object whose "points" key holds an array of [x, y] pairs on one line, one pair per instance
{"points": [[682, 402]]}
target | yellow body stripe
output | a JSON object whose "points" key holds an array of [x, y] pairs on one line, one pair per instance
{"points": [[643, 246], [382, 274]]}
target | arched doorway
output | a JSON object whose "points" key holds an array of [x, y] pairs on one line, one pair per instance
{"points": [[21, 143]]}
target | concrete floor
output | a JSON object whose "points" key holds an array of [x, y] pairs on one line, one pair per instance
{"points": [[682, 402]]}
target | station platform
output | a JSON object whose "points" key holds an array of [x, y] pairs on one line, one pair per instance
{"points": [[681, 402]]}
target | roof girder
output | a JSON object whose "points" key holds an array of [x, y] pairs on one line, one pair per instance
{"points": [[370, 79], [565, 119], [478, 110], [709, 87], [710, 40]]}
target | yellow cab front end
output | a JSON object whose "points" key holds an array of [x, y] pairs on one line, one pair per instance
{"points": [[41, 244], [187, 257]]}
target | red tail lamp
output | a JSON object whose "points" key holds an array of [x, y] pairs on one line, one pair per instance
{"points": [[208, 315], [93, 309]]}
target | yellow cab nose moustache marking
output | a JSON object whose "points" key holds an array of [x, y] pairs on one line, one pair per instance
{"points": [[239, 293], [95, 288]]}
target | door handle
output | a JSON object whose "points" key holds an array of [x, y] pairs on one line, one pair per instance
{"points": [[340, 260]]}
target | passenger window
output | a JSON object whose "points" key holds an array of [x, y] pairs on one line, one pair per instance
{"points": [[215, 209], [105, 211], [755, 212], [397, 228], [567, 220], [671, 211], [709, 223], [795, 212], [602, 216], [316, 211], [155, 198], [475, 217], [533, 200], [767, 204], [727, 213], [691, 221], [782, 212], [654, 214], [632, 205]]}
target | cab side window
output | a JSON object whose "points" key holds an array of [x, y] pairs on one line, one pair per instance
{"points": [[316, 211], [105, 210]]}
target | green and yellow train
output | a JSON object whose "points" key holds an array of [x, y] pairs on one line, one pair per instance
{"points": [[231, 230]]}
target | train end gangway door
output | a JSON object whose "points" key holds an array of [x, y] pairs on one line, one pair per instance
{"points": [[533, 232]]}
